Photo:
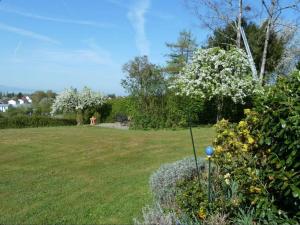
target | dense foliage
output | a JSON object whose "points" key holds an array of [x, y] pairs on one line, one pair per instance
{"points": [[225, 38], [42, 102], [257, 175], [115, 109], [22, 121], [216, 74], [71, 101]]}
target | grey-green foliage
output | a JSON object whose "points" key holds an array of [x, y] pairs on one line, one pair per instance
{"points": [[156, 215], [163, 181]]}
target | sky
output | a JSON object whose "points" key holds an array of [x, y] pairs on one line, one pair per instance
{"points": [[62, 43]]}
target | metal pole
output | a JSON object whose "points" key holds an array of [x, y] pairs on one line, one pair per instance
{"points": [[195, 155], [209, 181]]}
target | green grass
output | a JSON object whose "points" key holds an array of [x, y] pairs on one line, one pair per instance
{"points": [[84, 175]]}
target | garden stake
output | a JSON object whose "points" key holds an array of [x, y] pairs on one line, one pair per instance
{"points": [[209, 152], [192, 137], [209, 181]]}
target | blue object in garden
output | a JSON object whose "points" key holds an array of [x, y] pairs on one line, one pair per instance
{"points": [[209, 152]]}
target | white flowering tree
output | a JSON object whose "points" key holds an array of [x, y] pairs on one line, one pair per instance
{"points": [[73, 101], [216, 73]]}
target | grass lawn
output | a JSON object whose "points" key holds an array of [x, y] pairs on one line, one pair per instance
{"points": [[84, 175]]}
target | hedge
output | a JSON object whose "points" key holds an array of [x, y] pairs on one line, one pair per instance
{"points": [[34, 121]]}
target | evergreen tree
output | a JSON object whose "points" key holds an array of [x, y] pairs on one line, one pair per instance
{"points": [[225, 39], [181, 52]]}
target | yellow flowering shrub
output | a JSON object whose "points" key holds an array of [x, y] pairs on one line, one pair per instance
{"points": [[238, 157]]}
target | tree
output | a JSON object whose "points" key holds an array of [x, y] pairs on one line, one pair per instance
{"points": [[274, 11], [73, 101], [219, 14], [181, 52], [37, 96], [216, 74], [42, 101], [224, 38], [19, 95], [146, 85], [143, 78]]}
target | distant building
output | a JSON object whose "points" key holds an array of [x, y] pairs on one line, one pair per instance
{"points": [[28, 99], [12, 102], [3, 107]]}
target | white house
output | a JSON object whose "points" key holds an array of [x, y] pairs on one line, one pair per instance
{"points": [[12, 102], [21, 101], [28, 99], [3, 107]]}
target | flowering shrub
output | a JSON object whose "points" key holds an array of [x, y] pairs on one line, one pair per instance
{"points": [[261, 153], [73, 101], [216, 74]]}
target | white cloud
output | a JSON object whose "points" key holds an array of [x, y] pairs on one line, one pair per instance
{"points": [[54, 19], [75, 57], [136, 15], [27, 33], [92, 55]]}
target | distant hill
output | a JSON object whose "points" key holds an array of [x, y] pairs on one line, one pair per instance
{"points": [[9, 89]]}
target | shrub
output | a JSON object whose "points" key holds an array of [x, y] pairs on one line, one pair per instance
{"points": [[261, 153], [163, 182], [156, 215], [279, 110], [113, 108], [34, 121]]}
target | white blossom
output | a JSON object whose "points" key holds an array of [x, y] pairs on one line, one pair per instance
{"points": [[71, 100], [215, 72]]}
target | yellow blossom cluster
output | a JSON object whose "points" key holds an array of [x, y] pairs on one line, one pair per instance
{"points": [[202, 213], [235, 145]]}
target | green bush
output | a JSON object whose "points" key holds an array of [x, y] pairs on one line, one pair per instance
{"points": [[261, 153], [19, 111], [113, 108], [279, 110], [34, 121]]}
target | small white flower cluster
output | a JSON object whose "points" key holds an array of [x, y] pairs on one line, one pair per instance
{"points": [[71, 100], [215, 72], [227, 178]]}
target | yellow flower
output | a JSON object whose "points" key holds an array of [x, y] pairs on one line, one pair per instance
{"points": [[247, 111], [250, 140], [202, 213], [253, 189], [242, 124], [245, 148], [218, 149]]}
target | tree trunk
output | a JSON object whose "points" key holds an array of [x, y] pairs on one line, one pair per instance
{"points": [[267, 38], [238, 36], [219, 108], [79, 117]]}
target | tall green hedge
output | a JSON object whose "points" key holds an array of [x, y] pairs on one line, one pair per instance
{"points": [[34, 121]]}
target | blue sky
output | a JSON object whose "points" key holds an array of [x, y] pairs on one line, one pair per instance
{"points": [[62, 43]]}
